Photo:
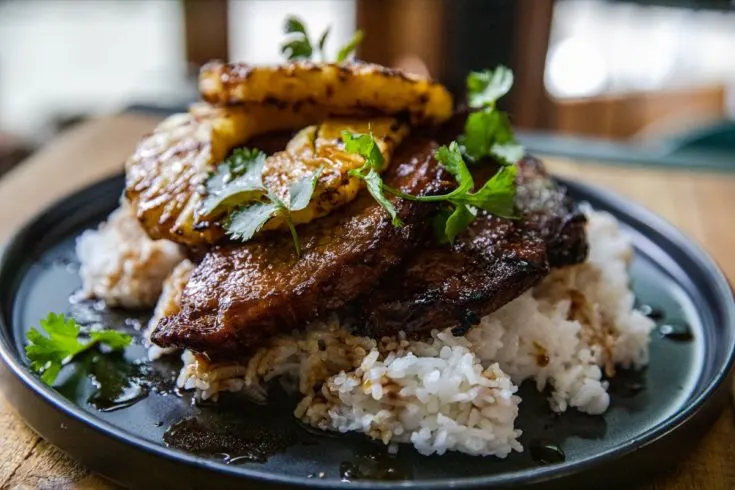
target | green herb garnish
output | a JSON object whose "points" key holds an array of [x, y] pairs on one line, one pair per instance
{"points": [[346, 50], [299, 46], [484, 88], [322, 43], [365, 146], [488, 132], [238, 179], [236, 187], [245, 222], [48, 354], [496, 196]]}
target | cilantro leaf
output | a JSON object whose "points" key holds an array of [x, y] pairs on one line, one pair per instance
{"points": [[48, 353], [294, 24], [450, 157], [322, 43], [301, 191], [484, 88], [346, 50], [439, 223], [365, 146], [488, 133], [299, 47], [375, 187], [111, 338], [50, 372], [300, 194], [238, 179], [60, 343], [245, 222], [498, 194], [458, 221], [478, 133]]}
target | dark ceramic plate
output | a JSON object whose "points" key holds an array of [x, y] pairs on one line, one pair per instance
{"points": [[130, 428]]}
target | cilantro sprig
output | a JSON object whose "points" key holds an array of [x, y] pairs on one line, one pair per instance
{"points": [[365, 146], [236, 189], [459, 209], [63, 342], [349, 48], [246, 221], [496, 195], [298, 45], [488, 132]]}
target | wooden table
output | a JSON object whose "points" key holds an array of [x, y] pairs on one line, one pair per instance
{"points": [[700, 203]]}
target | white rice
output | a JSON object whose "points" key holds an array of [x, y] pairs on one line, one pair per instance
{"points": [[302, 359], [435, 395], [457, 393], [579, 320], [121, 265]]}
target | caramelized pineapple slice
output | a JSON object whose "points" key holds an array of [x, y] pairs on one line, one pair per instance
{"points": [[321, 147], [346, 86], [165, 176]]}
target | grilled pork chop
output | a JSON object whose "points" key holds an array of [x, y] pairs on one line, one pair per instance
{"points": [[241, 294], [490, 264]]}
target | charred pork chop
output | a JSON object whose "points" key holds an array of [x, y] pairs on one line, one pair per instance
{"points": [[490, 264], [240, 295]]}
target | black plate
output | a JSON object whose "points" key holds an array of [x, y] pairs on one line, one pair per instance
{"points": [[652, 420]]}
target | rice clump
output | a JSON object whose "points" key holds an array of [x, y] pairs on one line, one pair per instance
{"points": [[121, 265], [436, 396]]}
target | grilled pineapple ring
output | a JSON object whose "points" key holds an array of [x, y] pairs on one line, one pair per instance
{"points": [[339, 86], [321, 147], [165, 176], [168, 169]]}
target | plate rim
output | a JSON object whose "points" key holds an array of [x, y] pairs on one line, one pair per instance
{"points": [[16, 365]]}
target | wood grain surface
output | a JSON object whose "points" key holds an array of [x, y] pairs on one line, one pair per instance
{"points": [[700, 203]]}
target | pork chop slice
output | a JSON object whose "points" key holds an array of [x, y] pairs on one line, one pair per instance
{"points": [[489, 265]]}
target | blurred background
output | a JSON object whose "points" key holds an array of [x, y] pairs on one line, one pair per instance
{"points": [[656, 78]]}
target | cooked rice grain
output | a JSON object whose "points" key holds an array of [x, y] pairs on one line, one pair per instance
{"points": [[121, 265], [443, 401]]}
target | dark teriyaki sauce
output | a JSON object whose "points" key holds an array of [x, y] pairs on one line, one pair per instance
{"points": [[629, 388], [652, 312], [239, 431], [677, 331], [233, 443], [133, 392], [544, 451], [375, 464], [628, 383]]}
